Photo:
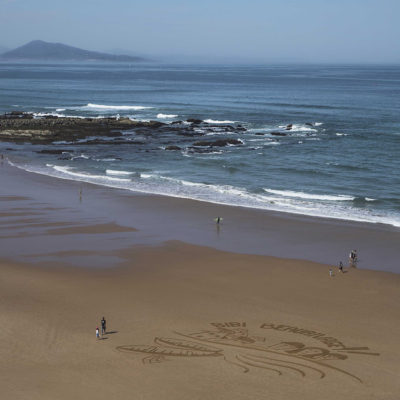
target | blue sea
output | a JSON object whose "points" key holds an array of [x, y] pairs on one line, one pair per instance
{"points": [[339, 160]]}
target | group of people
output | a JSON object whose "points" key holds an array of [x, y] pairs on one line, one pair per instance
{"points": [[352, 262], [103, 328]]}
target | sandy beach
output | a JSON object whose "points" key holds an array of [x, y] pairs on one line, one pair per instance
{"points": [[192, 311]]}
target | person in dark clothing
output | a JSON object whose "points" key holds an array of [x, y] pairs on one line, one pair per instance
{"points": [[341, 266], [103, 326]]}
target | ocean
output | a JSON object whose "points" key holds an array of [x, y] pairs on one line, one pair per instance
{"points": [[340, 159]]}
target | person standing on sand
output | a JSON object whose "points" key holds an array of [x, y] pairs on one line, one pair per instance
{"points": [[353, 257], [103, 326], [341, 267], [330, 272], [97, 333]]}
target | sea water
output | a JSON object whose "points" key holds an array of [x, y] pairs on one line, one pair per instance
{"points": [[339, 160]]}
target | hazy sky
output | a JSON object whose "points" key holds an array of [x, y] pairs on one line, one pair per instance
{"points": [[253, 30]]}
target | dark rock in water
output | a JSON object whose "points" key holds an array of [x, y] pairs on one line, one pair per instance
{"points": [[65, 157], [259, 133], [218, 143], [115, 134], [191, 149], [17, 115], [156, 124], [102, 141], [309, 124], [278, 133], [175, 122], [194, 121], [172, 148], [54, 151], [240, 128], [289, 127]]}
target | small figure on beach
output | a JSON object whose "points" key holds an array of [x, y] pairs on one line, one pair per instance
{"points": [[103, 326], [353, 257], [341, 267], [330, 272], [97, 333], [218, 220]]}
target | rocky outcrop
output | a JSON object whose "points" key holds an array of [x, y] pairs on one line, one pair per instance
{"points": [[53, 151], [218, 143], [194, 121], [278, 133], [17, 127], [172, 147]]}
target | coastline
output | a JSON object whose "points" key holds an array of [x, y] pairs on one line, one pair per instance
{"points": [[157, 219], [185, 320]]}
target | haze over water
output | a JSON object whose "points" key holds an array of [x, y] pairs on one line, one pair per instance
{"points": [[339, 160]]}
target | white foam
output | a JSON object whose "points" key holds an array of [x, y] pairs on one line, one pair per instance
{"points": [[215, 121], [54, 114], [84, 156], [318, 123], [115, 172], [298, 128], [302, 195], [69, 171], [51, 114], [166, 116], [113, 107], [60, 109], [292, 202]]}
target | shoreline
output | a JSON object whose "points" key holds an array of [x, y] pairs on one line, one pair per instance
{"points": [[188, 314], [159, 219]]}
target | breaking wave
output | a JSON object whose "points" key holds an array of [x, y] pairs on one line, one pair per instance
{"points": [[327, 206], [302, 195], [166, 116], [215, 121]]}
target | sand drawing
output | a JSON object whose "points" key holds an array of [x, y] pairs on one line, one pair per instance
{"points": [[234, 344]]}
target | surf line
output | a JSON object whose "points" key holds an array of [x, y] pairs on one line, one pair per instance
{"points": [[322, 337]]}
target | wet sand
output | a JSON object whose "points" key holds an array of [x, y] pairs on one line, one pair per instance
{"points": [[185, 320], [30, 201]]}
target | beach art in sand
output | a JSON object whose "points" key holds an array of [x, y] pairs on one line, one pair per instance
{"points": [[272, 349]]}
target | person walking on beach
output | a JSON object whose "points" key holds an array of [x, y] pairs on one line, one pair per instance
{"points": [[341, 267], [97, 333], [353, 257], [330, 272], [103, 326]]}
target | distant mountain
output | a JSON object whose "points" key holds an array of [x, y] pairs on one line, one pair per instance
{"points": [[38, 50]]}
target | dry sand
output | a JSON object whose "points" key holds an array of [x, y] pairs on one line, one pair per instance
{"points": [[184, 321], [195, 323]]}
